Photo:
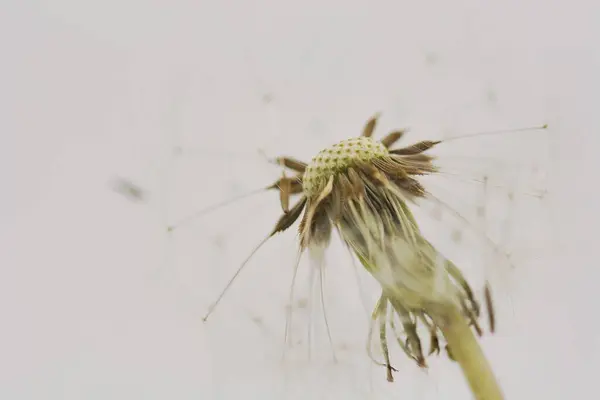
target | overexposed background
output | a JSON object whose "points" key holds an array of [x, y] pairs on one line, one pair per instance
{"points": [[183, 98]]}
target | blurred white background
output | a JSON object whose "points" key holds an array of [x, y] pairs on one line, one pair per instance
{"points": [[179, 97]]}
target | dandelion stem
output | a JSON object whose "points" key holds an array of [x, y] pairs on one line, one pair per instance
{"points": [[469, 355]]}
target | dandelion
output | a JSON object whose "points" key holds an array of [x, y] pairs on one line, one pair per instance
{"points": [[362, 188]]}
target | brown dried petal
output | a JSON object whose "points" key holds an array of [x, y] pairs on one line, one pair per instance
{"points": [[370, 126], [287, 219], [392, 138], [415, 148], [292, 163], [285, 187]]}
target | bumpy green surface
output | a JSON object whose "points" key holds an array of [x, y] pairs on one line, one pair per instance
{"points": [[338, 158]]}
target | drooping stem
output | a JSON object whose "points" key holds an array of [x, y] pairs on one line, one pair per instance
{"points": [[469, 355]]}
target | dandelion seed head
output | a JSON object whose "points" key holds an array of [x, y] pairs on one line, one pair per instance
{"points": [[362, 190], [367, 194], [338, 158]]}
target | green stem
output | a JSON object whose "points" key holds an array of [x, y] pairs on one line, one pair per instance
{"points": [[468, 354]]}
